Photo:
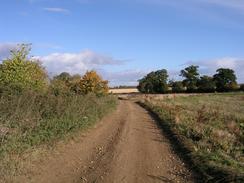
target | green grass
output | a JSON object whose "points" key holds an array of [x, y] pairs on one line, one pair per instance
{"points": [[212, 127], [31, 119]]}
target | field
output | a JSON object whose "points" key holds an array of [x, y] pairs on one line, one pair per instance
{"points": [[211, 127], [124, 90]]}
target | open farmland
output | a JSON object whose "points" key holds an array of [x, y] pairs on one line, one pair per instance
{"points": [[211, 127], [123, 90]]}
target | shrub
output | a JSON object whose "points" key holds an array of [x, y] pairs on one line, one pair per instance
{"points": [[74, 84], [19, 72], [59, 87], [66, 84], [62, 84]]}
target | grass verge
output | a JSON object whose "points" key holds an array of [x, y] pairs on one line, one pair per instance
{"points": [[31, 119], [209, 129]]}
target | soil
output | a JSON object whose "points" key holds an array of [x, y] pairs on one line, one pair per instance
{"points": [[126, 146]]}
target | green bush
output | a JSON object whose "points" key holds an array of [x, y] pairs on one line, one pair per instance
{"points": [[19, 72], [59, 85]]}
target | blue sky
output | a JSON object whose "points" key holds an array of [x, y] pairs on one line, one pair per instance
{"points": [[125, 39]]}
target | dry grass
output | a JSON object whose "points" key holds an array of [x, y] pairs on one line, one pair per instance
{"points": [[212, 124], [30, 120]]}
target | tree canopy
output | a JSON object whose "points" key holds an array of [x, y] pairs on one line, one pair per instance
{"points": [[20, 72], [225, 79], [157, 82], [177, 87], [191, 76], [206, 84], [91, 82], [154, 82]]}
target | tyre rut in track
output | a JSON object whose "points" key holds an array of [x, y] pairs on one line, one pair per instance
{"points": [[99, 165]]}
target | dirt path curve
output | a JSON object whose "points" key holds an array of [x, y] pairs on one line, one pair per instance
{"points": [[125, 147]]}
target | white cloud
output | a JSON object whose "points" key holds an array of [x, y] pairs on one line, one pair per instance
{"points": [[80, 62], [75, 62], [56, 10], [125, 77], [5, 49], [209, 67], [131, 77]]}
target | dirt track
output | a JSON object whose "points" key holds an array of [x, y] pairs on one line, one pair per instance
{"points": [[125, 147]]}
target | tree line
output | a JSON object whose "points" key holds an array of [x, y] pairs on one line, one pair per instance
{"points": [[224, 80], [20, 72]]}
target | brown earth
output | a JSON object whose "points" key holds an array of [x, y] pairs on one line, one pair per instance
{"points": [[125, 147]]}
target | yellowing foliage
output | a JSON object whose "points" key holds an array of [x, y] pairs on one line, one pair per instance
{"points": [[21, 72], [91, 82]]}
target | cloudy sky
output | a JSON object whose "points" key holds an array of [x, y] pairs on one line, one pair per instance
{"points": [[125, 39]]}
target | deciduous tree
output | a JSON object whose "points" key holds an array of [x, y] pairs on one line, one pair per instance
{"points": [[225, 79], [91, 82], [191, 76], [154, 82], [177, 87], [206, 84]]}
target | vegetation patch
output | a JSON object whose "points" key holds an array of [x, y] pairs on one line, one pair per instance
{"points": [[224, 80], [32, 119], [36, 110], [210, 130]]}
